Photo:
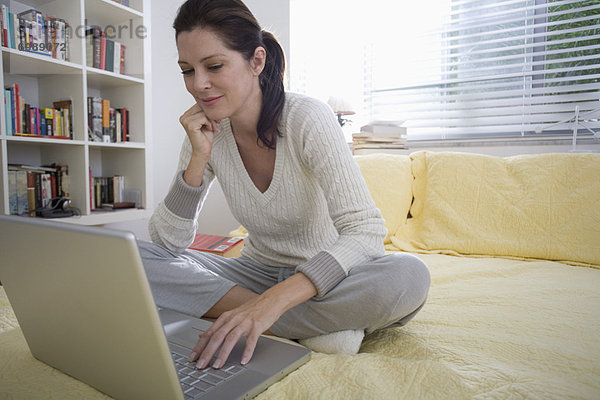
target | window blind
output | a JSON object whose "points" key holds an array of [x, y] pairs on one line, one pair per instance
{"points": [[502, 68]]}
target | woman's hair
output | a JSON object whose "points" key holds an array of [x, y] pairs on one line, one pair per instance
{"points": [[236, 26]]}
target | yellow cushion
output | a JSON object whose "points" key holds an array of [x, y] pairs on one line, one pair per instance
{"points": [[389, 179], [544, 206]]}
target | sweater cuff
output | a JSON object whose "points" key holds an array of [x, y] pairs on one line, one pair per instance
{"points": [[183, 199], [324, 271]]}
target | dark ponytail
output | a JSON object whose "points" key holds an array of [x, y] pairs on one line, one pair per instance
{"points": [[271, 83], [236, 26]]}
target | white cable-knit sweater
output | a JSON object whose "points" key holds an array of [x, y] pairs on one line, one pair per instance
{"points": [[317, 214]]}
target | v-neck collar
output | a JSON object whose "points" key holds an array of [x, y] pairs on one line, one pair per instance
{"points": [[268, 194]]}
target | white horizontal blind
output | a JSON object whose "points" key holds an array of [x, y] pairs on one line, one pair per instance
{"points": [[503, 68]]}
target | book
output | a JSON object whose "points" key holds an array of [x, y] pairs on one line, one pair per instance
{"points": [[97, 46], [103, 51], [116, 67], [95, 118], [22, 200], [17, 191], [362, 138], [65, 107], [106, 137], [122, 48], [119, 205], [63, 181], [89, 46], [225, 246], [4, 21], [112, 125], [118, 126], [109, 54], [15, 108], [7, 112], [379, 135], [12, 192], [31, 197], [384, 128]]}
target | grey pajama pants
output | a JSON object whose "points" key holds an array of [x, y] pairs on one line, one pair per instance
{"points": [[386, 291]]}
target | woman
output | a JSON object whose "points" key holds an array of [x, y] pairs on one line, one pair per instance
{"points": [[313, 267]]}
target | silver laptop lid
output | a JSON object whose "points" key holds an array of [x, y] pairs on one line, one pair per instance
{"points": [[84, 305], [82, 300]]}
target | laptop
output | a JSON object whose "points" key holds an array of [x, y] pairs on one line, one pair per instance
{"points": [[84, 305]]}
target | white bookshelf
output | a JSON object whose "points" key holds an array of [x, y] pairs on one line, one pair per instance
{"points": [[43, 80]]}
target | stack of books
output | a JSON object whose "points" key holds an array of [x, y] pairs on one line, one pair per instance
{"points": [[32, 187], [108, 192], [34, 32], [102, 52], [377, 136], [24, 119], [106, 123]]}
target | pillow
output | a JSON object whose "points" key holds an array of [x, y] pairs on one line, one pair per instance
{"points": [[389, 179], [544, 206]]}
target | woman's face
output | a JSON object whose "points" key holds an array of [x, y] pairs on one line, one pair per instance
{"points": [[223, 83]]}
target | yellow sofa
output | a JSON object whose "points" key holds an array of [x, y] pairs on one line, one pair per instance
{"points": [[513, 246]]}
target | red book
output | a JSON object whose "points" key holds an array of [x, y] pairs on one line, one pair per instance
{"points": [[225, 246], [30, 119], [103, 51]]}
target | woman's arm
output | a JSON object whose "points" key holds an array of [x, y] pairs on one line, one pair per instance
{"points": [[250, 321], [174, 222], [358, 222]]}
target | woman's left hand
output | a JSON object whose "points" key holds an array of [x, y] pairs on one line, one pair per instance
{"points": [[250, 320]]}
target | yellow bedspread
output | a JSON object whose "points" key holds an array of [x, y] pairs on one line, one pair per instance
{"points": [[492, 328]]}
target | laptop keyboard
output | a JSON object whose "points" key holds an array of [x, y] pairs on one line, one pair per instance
{"points": [[195, 382]]}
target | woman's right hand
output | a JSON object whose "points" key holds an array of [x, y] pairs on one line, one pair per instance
{"points": [[200, 131]]}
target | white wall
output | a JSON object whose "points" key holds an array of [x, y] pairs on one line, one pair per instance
{"points": [[170, 100]]}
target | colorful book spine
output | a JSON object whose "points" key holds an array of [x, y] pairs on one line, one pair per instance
{"points": [[9, 118]]}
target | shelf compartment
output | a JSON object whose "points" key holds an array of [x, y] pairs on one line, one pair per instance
{"points": [[68, 10], [128, 162], [123, 25], [41, 153], [129, 97], [42, 90]]}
